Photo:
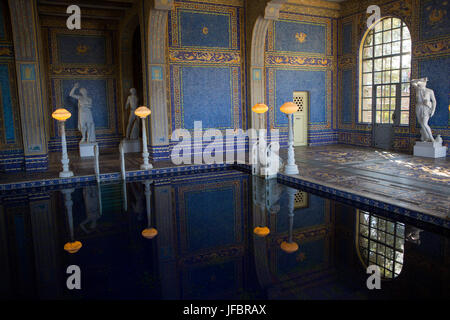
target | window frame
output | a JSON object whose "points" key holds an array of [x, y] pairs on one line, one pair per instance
{"points": [[366, 100]]}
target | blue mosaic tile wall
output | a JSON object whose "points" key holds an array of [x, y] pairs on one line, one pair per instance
{"points": [[206, 66], [11, 148], [300, 57]]}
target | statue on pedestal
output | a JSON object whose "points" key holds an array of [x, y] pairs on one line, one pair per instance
{"points": [[131, 142], [86, 123], [425, 107], [133, 122], [428, 146]]}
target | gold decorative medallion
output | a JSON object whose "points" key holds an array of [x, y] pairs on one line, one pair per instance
{"points": [[82, 49], [205, 30], [301, 37]]}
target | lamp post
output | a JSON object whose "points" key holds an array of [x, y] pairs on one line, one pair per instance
{"points": [[143, 112], [62, 115], [259, 108], [289, 108]]}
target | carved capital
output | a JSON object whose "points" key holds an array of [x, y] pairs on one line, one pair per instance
{"points": [[164, 4], [272, 11]]}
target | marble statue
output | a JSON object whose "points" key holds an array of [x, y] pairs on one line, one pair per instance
{"points": [[86, 123], [428, 146], [425, 107], [133, 121]]}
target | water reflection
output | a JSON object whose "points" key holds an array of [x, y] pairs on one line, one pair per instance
{"points": [[149, 232], [206, 245], [290, 246], [381, 242], [93, 207], [72, 246]]}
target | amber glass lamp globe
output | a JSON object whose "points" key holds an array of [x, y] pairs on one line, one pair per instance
{"points": [[289, 247], [73, 247], [61, 114], [260, 108], [149, 233], [261, 231], [142, 112], [289, 108]]}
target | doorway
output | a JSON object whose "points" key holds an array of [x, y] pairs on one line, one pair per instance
{"points": [[301, 99], [385, 114]]}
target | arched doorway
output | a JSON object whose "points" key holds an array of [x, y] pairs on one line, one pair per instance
{"points": [[385, 75]]}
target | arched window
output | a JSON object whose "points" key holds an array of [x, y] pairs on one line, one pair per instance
{"points": [[380, 242], [385, 72]]}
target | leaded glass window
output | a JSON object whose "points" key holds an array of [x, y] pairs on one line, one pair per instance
{"points": [[386, 72]]}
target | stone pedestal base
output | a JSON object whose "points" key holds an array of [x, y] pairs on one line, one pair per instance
{"points": [[430, 149], [132, 145], [66, 174], [87, 149]]}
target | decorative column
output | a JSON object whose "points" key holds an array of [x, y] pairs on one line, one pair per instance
{"points": [[257, 63], [158, 71], [30, 82]]}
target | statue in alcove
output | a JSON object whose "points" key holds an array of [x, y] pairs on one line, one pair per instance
{"points": [[133, 122], [86, 123], [425, 107]]}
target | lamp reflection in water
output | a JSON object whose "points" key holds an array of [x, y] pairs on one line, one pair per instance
{"points": [[72, 246], [289, 108], [290, 246], [261, 230], [266, 194], [143, 112], [62, 115], [149, 232]]}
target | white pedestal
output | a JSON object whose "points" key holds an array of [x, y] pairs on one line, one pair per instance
{"points": [[132, 145], [87, 149], [430, 149]]}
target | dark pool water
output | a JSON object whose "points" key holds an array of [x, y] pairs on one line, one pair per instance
{"points": [[206, 247]]}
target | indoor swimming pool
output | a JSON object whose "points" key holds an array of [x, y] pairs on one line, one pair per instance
{"points": [[217, 235]]}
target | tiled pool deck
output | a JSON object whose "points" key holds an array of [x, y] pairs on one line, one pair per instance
{"points": [[418, 188]]}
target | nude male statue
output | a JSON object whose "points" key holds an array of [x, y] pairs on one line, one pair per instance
{"points": [[425, 107], [133, 123], [86, 123]]}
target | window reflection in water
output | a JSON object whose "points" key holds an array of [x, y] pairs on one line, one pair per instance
{"points": [[381, 242]]}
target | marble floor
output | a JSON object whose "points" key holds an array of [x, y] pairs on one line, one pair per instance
{"points": [[420, 184]]}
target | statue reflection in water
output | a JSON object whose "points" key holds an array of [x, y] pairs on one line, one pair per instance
{"points": [[137, 202], [92, 204]]}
